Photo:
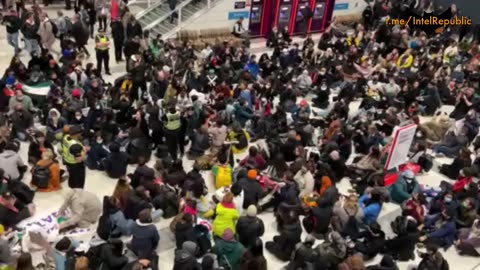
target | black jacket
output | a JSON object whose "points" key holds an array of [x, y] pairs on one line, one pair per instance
{"points": [[13, 23], [134, 204], [249, 229], [184, 232], [29, 31], [284, 244], [252, 192], [402, 246], [116, 164], [134, 30], [111, 255], [118, 32], [79, 33], [185, 261]]}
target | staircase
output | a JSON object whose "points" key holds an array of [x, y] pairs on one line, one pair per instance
{"points": [[156, 18]]}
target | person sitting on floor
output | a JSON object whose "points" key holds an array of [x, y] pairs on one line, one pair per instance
{"points": [[53, 168]]}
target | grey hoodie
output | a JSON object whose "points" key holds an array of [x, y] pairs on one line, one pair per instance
{"points": [[9, 162]]}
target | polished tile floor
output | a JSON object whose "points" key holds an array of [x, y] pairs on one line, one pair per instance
{"points": [[98, 183]]}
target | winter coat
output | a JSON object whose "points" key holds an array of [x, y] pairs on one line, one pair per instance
{"points": [[446, 231], [399, 190], [249, 229], [134, 30], [185, 257], [110, 253], [134, 204], [402, 246], [284, 244], [145, 239], [115, 164], [5, 252], [29, 30], [45, 31], [229, 253], [344, 214], [336, 249], [252, 191], [79, 33], [305, 182], [27, 103], [184, 232], [371, 211], [226, 216], [10, 161], [85, 208], [21, 122]]}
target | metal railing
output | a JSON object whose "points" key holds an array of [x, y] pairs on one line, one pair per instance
{"points": [[177, 10], [150, 6]]}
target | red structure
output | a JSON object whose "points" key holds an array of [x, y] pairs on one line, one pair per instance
{"points": [[266, 14]]}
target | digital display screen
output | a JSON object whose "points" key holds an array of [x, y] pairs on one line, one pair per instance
{"points": [[240, 5]]}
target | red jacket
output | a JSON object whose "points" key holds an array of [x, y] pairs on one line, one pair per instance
{"points": [[461, 183]]}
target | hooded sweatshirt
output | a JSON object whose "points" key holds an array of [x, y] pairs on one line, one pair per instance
{"points": [[9, 162], [185, 257]]}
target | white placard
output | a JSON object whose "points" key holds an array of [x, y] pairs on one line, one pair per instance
{"points": [[402, 140]]}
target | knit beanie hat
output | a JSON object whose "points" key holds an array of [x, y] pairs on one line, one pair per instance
{"points": [[190, 247], [252, 210], [252, 174], [227, 234]]}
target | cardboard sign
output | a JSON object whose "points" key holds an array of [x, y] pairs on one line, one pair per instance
{"points": [[402, 140]]}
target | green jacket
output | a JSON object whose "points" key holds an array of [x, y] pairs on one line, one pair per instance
{"points": [[229, 253]]}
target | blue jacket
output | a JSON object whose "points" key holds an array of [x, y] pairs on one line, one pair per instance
{"points": [[247, 96], [446, 232], [370, 212], [253, 68]]}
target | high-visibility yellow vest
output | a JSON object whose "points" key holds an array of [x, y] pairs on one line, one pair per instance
{"points": [[103, 39], [66, 144], [173, 121]]}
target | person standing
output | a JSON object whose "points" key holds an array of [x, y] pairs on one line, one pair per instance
{"points": [[102, 45], [118, 35], [306, 15], [74, 155], [90, 6], [13, 24], [29, 31], [172, 130], [45, 31], [80, 34], [102, 11], [134, 28], [173, 4]]}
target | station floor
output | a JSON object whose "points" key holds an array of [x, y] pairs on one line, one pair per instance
{"points": [[99, 184]]}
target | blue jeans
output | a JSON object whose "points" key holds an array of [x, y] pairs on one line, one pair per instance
{"points": [[12, 39], [157, 214], [447, 151], [31, 45]]}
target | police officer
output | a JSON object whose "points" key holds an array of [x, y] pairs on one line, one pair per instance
{"points": [[102, 45], [74, 154], [173, 124]]}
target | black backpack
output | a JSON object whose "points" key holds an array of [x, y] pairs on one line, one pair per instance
{"points": [[351, 227], [105, 226], [41, 175], [203, 241]]}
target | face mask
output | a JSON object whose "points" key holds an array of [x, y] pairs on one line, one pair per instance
{"points": [[323, 87], [78, 117], [268, 86], [20, 98], [448, 199], [409, 180], [99, 141]]}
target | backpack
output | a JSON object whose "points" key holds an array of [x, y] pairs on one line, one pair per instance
{"points": [[21, 191], [351, 227], [54, 28], [105, 226], [41, 175], [224, 176], [203, 239]]}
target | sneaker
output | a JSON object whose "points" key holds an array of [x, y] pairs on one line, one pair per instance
{"points": [[439, 155], [108, 73]]}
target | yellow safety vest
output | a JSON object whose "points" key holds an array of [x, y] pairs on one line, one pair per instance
{"points": [[66, 144], [173, 121], [103, 39]]}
